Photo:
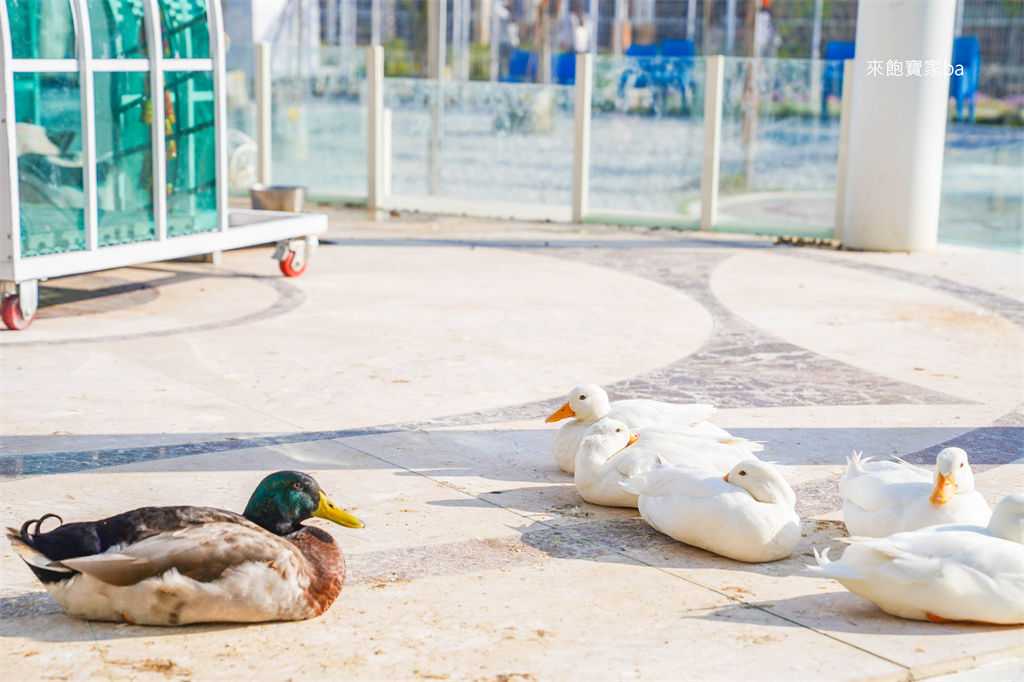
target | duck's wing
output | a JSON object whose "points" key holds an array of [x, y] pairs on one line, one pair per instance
{"points": [[94, 537], [875, 486], [638, 413], [667, 480], [201, 552]]}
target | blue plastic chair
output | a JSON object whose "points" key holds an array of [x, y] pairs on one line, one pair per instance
{"points": [[964, 87], [564, 67], [678, 48], [677, 68], [644, 56], [832, 75], [522, 67]]}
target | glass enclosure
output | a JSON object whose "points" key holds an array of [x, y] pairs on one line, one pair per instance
{"points": [[52, 108], [319, 119]]}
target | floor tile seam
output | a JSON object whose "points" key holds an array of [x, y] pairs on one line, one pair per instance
{"points": [[625, 554], [100, 652], [926, 671], [734, 599]]}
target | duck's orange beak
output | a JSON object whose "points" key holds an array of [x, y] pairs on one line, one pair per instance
{"points": [[726, 478], [563, 412], [632, 439], [945, 488]]}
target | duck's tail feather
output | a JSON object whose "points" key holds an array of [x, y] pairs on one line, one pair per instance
{"points": [[47, 570], [832, 569]]}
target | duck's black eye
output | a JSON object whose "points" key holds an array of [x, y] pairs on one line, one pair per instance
{"points": [[297, 485], [743, 473], [961, 465], [583, 397], [618, 430]]}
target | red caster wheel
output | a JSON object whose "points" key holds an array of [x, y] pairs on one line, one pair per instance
{"points": [[10, 313], [287, 262]]}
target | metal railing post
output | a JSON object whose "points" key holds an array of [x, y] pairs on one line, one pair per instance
{"points": [[263, 113], [375, 126], [714, 85], [581, 139], [844, 148]]}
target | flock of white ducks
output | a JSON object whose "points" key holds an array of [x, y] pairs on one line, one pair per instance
{"points": [[925, 544]]}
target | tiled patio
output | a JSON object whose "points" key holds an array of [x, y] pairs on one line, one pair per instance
{"points": [[410, 370]]}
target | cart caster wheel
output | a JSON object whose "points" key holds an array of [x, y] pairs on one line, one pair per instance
{"points": [[286, 266], [10, 313]]}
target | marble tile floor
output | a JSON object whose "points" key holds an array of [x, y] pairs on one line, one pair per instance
{"points": [[410, 370]]}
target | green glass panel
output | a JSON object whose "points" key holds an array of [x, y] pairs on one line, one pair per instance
{"points": [[186, 34], [124, 153], [191, 153], [29, 17], [118, 29], [49, 133]]}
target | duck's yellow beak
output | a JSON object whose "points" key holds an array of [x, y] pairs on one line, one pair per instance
{"points": [[328, 510], [632, 439], [563, 412], [945, 488]]}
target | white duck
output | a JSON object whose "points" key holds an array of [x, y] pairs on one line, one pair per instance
{"points": [[611, 453], [941, 573], [589, 403], [747, 515], [882, 498]]}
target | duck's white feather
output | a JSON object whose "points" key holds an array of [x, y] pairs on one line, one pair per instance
{"points": [[882, 498], [695, 505], [636, 414], [605, 459], [956, 572]]}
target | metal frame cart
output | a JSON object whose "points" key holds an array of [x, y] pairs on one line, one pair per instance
{"points": [[113, 144]]}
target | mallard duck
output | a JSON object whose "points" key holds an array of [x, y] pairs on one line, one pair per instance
{"points": [[610, 453], [882, 498], [589, 403], [747, 515], [179, 565], [941, 573]]}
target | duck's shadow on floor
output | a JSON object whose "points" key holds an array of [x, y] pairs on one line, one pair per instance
{"points": [[36, 616], [837, 613]]}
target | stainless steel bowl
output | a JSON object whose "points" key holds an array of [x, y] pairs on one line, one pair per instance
{"points": [[291, 199]]}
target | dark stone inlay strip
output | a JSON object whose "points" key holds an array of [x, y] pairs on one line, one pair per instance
{"points": [[289, 297]]}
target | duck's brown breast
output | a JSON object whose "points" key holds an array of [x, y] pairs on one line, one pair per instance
{"points": [[326, 566]]}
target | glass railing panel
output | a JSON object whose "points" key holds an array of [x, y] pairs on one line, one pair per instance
{"points": [[319, 119], [779, 157], [124, 158], [481, 141], [48, 109], [647, 137], [983, 177]]}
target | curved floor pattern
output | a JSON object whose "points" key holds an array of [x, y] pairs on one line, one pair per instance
{"points": [[479, 559]]}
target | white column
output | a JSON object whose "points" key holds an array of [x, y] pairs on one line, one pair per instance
{"points": [[897, 125], [263, 113], [713, 90], [581, 143], [375, 126], [437, 40], [843, 163]]}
